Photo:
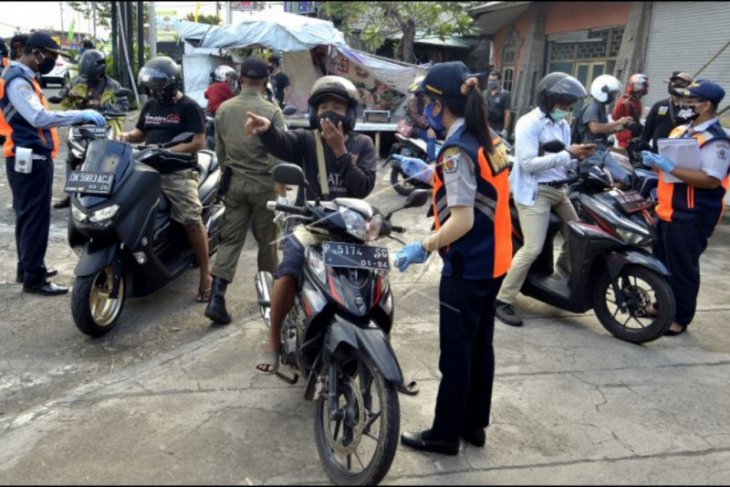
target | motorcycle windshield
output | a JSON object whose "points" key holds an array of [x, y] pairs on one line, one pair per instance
{"points": [[107, 156]]}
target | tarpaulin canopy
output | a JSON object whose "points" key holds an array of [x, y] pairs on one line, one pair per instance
{"points": [[283, 31]]}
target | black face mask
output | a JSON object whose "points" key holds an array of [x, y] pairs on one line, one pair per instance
{"points": [[611, 98], [333, 117], [47, 65]]}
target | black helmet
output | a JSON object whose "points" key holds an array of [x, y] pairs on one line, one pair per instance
{"points": [[339, 87], [558, 88], [161, 78], [92, 65]]}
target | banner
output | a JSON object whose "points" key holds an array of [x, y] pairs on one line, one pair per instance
{"points": [[166, 23], [70, 35]]}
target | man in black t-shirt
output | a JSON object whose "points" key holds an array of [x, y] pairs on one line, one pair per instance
{"points": [[666, 114], [499, 103], [169, 113], [279, 81]]}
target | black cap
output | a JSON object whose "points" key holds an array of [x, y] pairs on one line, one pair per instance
{"points": [[42, 40], [254, 68]]}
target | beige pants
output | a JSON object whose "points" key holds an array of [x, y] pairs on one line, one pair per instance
{"points": [[534, 222]]}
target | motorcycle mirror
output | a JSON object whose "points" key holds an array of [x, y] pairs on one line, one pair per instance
{"points": [[418, 197], [554, 146], [288, 174], [55, 99], [122, 92], [290, 110]]}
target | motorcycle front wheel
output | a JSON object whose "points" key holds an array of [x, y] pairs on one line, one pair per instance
{"points": [[357, 440], [401, 184], [94, 311], [633, 320]]}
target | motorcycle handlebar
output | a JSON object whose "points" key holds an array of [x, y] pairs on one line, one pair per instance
{"points": [[274, 206]]}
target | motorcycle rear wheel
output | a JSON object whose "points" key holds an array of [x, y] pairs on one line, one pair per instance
{"points": [[634, 281], [93, 311], [401, 184], [342, 442]]}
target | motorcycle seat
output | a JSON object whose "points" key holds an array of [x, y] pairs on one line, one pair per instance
{"points": [[207, 163]]}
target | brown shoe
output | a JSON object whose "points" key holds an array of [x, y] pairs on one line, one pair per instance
{"points": [[62, 203]]}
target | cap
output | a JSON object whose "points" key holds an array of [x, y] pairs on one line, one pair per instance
{"points": [[705, 89], [679, 75], [41, 40], [444, 80], [254, 68]]}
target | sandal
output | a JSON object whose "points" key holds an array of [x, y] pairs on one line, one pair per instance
{"points": [[268, 361], [672, 333], [203, 295]]}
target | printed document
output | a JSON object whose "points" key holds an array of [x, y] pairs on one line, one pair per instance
{"points": [[685, 153]]}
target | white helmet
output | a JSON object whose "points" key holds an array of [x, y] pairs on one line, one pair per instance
{"points": [[603, 85], [222, 71]]}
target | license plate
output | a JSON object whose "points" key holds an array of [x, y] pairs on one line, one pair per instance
{"points": [[631, 201], [351, 255], [90, 182]]}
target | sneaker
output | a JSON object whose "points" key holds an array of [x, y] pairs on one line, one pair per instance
{"points": [[506, 314]]}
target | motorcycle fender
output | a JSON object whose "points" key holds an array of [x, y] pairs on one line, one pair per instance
{"points": [[371, 341], [617, 260], [93, 260]]}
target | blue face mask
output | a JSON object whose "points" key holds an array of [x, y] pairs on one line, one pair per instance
{"points": [[557, 114], [436, 122]]}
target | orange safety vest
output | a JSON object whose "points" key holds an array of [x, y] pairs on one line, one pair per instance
{"points": [[485, 252], [18, 131], [682, 202]]}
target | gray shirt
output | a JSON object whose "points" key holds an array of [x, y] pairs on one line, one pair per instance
{"points": [[27, 104], [595, 112]]}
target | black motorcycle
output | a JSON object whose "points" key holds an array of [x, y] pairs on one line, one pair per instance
{"points": [[406, 147], [120, 224], [337, 333], [612, 271]]}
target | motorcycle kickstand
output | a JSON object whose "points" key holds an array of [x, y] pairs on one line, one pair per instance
{"points": [[289, 380]]}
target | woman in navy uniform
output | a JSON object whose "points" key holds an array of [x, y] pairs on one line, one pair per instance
{"points": [[473, 237]]}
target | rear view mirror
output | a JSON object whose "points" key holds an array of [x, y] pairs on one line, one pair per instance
{"points": [[418, 197], [290, 110], [554, 146], [55, 99], [122, 93], [288, 174]]}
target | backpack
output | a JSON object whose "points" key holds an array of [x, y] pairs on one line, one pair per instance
{"points": [[575, 126]]}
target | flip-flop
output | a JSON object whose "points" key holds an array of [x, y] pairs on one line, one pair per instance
{"points": [[410, 389], [672, 333], [268, 359], [203, 295]]}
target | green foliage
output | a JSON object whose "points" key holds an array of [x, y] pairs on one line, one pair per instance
{"points": [[205, 19], [103, 11], [375, 21]]}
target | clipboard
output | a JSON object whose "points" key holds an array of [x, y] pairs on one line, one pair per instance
{"points": [[685, 153]]}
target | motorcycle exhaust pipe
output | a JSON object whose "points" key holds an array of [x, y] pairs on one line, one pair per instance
{"points": [[264, 283]]}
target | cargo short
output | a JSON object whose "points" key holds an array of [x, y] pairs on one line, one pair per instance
{"points": [[181, 189]]}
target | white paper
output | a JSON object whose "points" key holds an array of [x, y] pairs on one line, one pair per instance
{"points": [[685, 153]]}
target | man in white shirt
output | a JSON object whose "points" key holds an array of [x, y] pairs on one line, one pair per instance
{"points": [[543, 155]]}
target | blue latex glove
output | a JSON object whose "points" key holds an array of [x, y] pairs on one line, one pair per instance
{"points": [[650, 159], [413, 253], [415, 168], [92, 116]]}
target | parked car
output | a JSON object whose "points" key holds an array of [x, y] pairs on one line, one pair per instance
{"points": [[60, 74]]}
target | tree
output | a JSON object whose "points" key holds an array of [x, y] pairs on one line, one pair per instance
{"points": [[382, 19], [103, 11], [205, 19]]}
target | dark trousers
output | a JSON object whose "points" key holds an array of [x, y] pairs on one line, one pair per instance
{"points": [[467, 356], [32, 206], [679, 246]]}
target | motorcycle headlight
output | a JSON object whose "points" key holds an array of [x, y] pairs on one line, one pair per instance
{"points": [[77, 214], [634, 238], [101, 216], [316, 263], [357, 226], [374, 227]]}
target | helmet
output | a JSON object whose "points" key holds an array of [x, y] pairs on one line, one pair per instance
{"points": [[339, 87], [638, 83], [161, 78], [558, 88], [416, 86], [221, 72], [603, 86], [679, 79], [92, 65]]}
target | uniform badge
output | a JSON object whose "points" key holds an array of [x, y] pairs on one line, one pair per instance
{"points": [[722, 153], [662, 110], [25, 92], [451, 159]]}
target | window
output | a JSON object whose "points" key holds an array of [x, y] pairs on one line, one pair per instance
{"points": [[588, 58], [509, 56], [507, 77]]}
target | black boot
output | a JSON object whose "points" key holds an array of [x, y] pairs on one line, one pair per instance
{"points": [[216, 309]]}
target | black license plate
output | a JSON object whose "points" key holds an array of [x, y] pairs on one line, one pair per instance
{"points": [[90, 182], [351, 255], [631, 201]]}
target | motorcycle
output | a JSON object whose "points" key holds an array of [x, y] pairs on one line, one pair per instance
{"points": [[611, 270], [120, 224], [337, 333], [406, 147]]}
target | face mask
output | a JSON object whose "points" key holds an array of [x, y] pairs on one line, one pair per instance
{"points": [[691, 112], [557, 114], [333, 117], [611, 97], [435, 121], [47, 65], [492, 84]]}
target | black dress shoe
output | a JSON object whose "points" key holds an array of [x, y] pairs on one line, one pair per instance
{"points": [[418, 442], [62, 203], [475, 436], [46, 289], [20, 276]]}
